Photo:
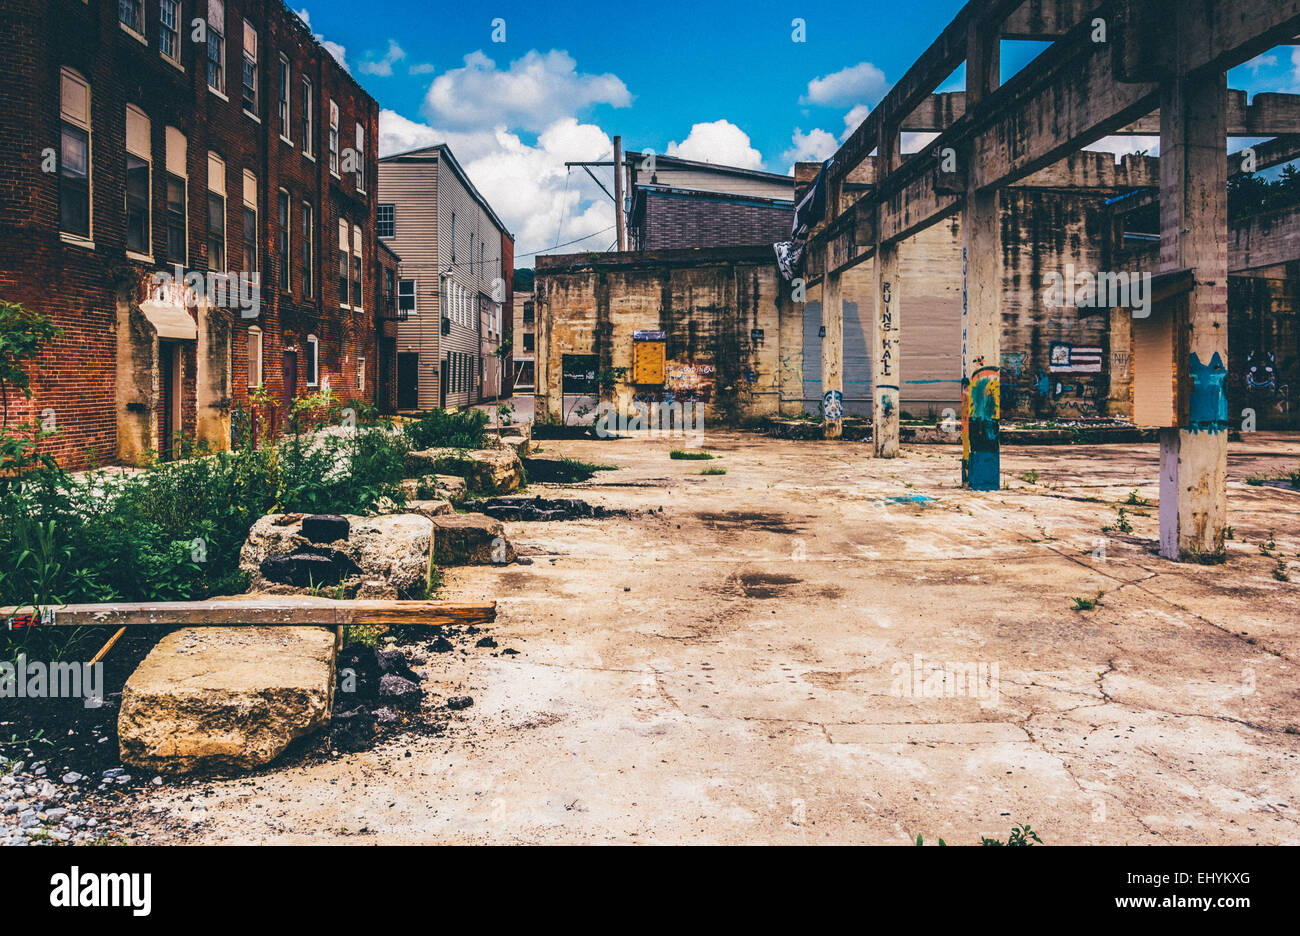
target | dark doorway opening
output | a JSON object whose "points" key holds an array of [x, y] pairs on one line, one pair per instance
{"points": [[408, 381]]}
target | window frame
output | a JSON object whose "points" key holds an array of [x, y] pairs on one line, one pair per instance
{"points": [[308, 118], [145, 207], [344, 273], [255, 332], [415, 293], [358, 266], [334, 139], [245, 61], [138, 33], [217, 29], [284, 238], [313, 361], [284, 100], [221, 196], [174, 31], [308, 215], [390, 222], [69, 121], [249, 210]]}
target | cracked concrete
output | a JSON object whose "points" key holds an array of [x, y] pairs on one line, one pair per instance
{"points": [[740, 667]]}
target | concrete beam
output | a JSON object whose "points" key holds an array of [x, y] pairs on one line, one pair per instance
{"points": [[1269, 114], [1045, 20], [1264, 240], [832, 358], [886, 322]]}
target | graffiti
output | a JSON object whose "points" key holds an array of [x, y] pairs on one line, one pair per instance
{"points": [[1208, 407], [833, 405], [1120, 362], [1013, 360], [1074, 359], [688, 381], [981, 411], [886, 330], [1260, 374]]}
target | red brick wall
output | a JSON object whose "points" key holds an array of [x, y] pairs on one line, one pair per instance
{"points": [[76, 377]]}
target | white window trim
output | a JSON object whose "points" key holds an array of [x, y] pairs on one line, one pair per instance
{"points": [[313, 349], [359, 143], [286, 88], [415, 294], [361, 373], [180, 25], [333, 142], [287, 231], [261, 353], [306, 84], [220, 30], [359, 259], [139, 37], [308, 240], [225, 212], [257, 89], [66, 236], [146, 257]]}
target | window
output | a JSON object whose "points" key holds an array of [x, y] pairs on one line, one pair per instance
{"points": [[177, 221], [343, 263], [388, 285], [74, 159], [250, 222], [313, 361], [254, 357], [360, 139], [406, 296], [282, 237], [307, 129], [284, 100], [334, 138], [386, 220], [361, 373], [216, 213], [138, 137], [307, 241], [528, 341], [250, 69], [528, 312], [130, 13], [169, 29], [356, 268], [217, 46]]}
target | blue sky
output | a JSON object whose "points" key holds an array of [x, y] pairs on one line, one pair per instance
{"points": [[722, 81]]}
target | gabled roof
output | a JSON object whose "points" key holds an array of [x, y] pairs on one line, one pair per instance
{"points": [[441, 151], [715, 167]]}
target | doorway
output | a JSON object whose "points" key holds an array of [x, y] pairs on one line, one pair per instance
{"points": [[408, 381], [168, 398]]}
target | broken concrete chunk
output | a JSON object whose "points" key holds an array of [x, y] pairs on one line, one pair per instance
{"points": [[430, 508], [325, 528], [402, 693], [470, 539], [352, 731], [306, 570], [221, 698], [491, 471]]}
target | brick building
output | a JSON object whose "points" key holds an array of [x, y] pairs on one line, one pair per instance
{"points": [[678, 203], [190, 137]]}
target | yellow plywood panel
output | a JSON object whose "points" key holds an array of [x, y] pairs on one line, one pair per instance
{"points": [[648, 362]]}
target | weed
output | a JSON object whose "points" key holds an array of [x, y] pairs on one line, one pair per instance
{"points": [[1030, 476], [1135, 500], [688, 455], [1087, 604], [1022, 836], [713, 470], [1121, 524]]}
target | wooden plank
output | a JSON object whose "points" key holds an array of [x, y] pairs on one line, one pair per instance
{"points": [[322, 612]]}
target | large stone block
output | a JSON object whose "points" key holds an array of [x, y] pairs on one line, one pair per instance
{"points": [[470, 539], [487, 471], [223, 698], [387, 556]]}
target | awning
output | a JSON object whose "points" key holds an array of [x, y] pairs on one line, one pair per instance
{"points": [[170, 321]]}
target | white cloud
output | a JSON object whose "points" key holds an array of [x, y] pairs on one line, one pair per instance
{"points": [[333, 48], [533, 93], [861, 82], [813, 146], [540, 201], [424, 68], [853, 118], [1261, 61], [720, 142], [382, 66]]}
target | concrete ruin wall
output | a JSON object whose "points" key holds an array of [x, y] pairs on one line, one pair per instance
{"points": [[726, 315]]}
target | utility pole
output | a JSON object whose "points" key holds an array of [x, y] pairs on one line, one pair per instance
{"points": [[618, 193]]}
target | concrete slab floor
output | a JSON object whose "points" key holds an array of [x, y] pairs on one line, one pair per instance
{"points": [[737, 665]]}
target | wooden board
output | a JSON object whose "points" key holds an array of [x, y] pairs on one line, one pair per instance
{"points": [[321, 612]]}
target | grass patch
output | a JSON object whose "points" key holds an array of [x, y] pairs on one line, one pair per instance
{"points": [[689, 455], [442, 429], [1135, 500], [1086, 604], [714, 470], [561, 470]]}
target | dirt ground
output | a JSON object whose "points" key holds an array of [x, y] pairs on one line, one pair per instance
{"points": [[734, 663]]}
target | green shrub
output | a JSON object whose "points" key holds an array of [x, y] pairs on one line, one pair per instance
{"points": [[688, 455], [443, 429]]}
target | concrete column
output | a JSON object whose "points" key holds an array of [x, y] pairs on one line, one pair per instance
{"points": [[1194, 234], [981, 307], [981, 340], [832, 357], [886, 327]]}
